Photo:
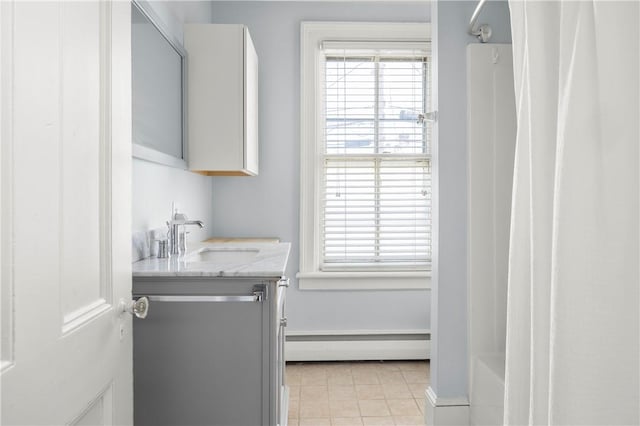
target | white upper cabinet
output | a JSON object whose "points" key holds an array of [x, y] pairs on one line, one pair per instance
{"points": [[222, 105]]}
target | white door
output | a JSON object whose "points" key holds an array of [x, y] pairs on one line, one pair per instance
{"points": [[65, 228]]}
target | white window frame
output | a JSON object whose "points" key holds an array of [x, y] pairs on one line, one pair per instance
{"points": [[313, 34]]}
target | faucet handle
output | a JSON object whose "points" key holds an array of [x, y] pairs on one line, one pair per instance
{"points": [[179, 218]]}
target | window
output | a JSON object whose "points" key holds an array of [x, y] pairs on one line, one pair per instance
{"points": [[366, 166], [376, 173]]}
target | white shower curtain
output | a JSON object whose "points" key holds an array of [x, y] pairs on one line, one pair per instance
{"points": [[573, 326]]}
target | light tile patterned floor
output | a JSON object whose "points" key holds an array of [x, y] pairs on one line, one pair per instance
{"points": [[359, 393]]}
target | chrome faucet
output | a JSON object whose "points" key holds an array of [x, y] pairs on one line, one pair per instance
{"points": [[177, 232]]}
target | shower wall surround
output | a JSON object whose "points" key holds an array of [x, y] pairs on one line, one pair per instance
{"points": [[492, 137]]}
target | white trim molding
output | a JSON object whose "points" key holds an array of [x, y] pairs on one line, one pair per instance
{"points": [[7, 185], [142, 152], [445, 411], [364, 281], [313, 34], [347, 345]]}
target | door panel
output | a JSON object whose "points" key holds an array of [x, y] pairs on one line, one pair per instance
{"points": [[83, 199], [99, 412], [66, 350], [6, 190]]}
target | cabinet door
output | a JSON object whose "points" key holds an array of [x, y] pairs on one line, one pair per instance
{"points": [[282, 404], [215, 97], [199, 363], [222, 100], [251, 105]]}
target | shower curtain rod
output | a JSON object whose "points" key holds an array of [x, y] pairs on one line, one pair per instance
{"points": [[483, 32]]}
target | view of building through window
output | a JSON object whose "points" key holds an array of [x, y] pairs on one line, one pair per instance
{"points": [[376, 199]]}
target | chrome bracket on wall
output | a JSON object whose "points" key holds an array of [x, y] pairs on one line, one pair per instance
{"points": [[483, 32]]}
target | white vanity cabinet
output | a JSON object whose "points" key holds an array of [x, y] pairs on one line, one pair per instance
{"points": [[222, 101]]}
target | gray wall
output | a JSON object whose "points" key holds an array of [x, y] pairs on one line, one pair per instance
{"points": [[449, 288], [268, 205], [156, 186]]}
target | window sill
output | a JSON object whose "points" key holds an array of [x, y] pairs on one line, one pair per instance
{"points": [[364, 280]]}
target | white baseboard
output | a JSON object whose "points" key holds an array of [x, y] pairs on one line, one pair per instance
{"points": [[356, 345], [445, 411]]}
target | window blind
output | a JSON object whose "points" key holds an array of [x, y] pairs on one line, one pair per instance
{"points": [[376, 185]]}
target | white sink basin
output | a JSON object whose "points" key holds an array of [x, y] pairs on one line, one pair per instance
{"points": [[224, 255]]}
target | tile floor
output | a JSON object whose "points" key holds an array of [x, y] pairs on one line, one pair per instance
{"points": [[357, 393]]}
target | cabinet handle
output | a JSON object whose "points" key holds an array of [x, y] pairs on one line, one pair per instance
{"points": [[257, 296]]}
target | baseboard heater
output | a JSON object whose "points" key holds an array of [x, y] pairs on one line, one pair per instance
{"points": [[357, 345]]}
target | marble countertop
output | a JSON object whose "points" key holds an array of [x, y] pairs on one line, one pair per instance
{"points": [[232, 259]]}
